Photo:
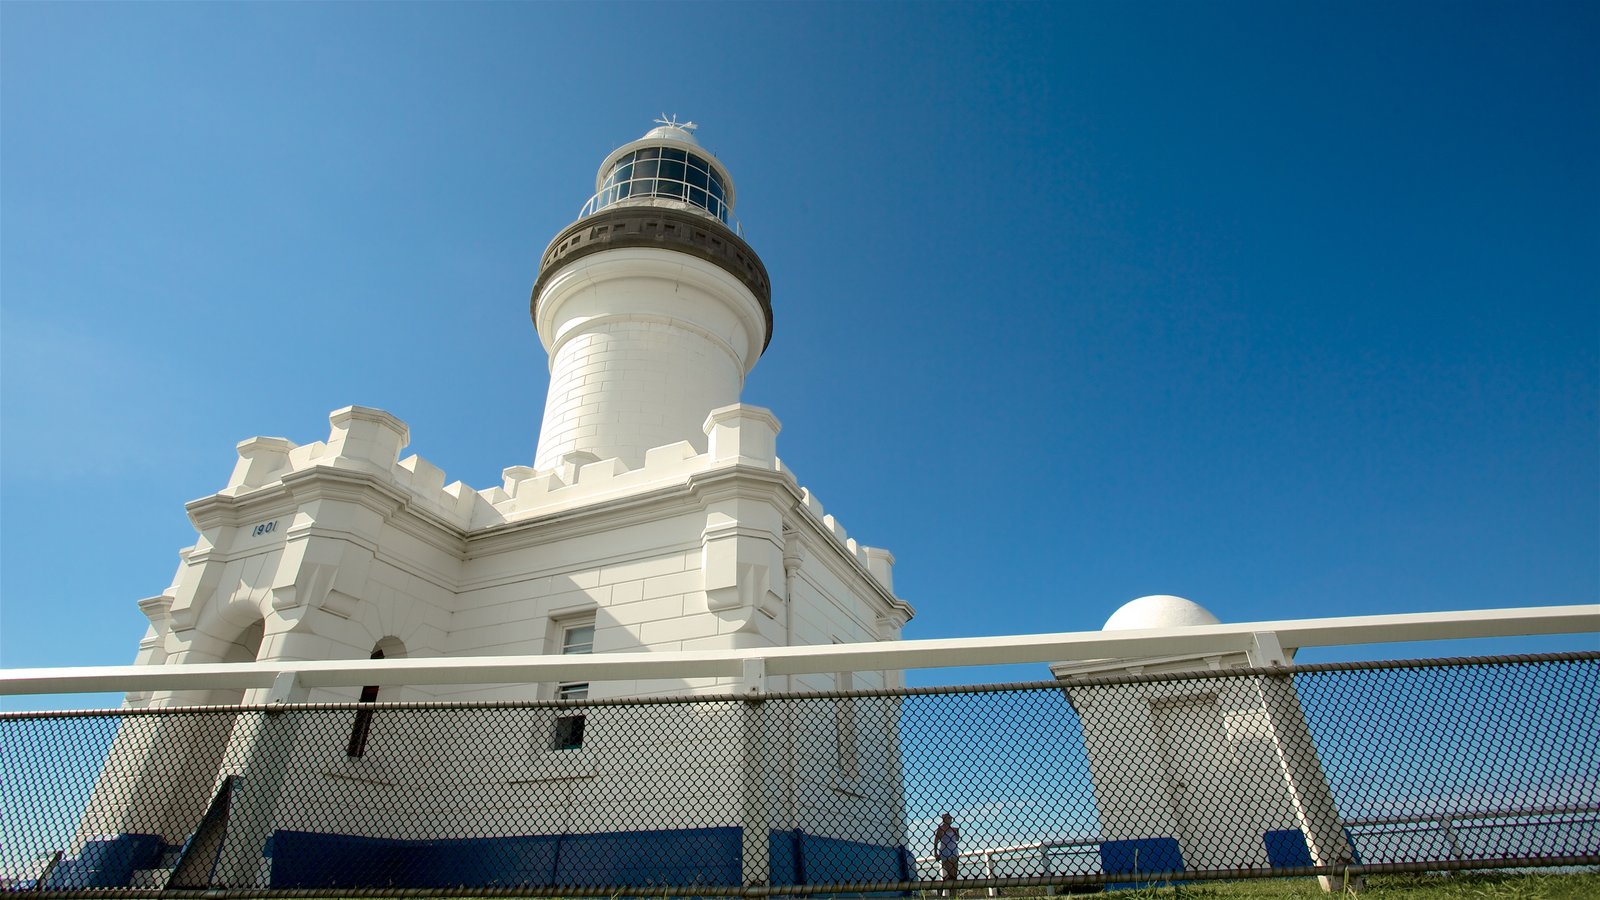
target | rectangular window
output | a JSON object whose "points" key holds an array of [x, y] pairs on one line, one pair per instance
{"points": [[568, 734], [576, 638]]}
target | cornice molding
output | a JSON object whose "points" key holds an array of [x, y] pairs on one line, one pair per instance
{"points": [[695, 493], [225, 511], [370, 491], [826, 547], [576, 521]]}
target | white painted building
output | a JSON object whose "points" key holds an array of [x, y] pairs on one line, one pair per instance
{"points": [[1224, 767], [656, 516]]}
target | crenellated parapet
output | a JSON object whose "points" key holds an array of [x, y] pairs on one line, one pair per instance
{"points": [[361, 439], [369, 441]]}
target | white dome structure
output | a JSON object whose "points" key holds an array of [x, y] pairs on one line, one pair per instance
{"points": [[1214, 737], [1159, 611]]}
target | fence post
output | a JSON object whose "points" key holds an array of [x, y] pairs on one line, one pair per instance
{"points": [[755, 808], [1303, 777], [1456, 853]]}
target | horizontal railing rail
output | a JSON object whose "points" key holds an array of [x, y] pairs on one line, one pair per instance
{"points": [[1569, 815], [1132, 678], [610, 198], [751, 668], [1512, 812]]}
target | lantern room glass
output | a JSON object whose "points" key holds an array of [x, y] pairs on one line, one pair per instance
{"points": [[667, 172]]}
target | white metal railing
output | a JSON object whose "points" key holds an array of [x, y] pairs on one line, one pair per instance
{"points": [[750, 668], [1044, 851], [1449, 824], [608, 199]]}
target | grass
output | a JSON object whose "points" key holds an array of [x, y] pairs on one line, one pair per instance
{"points": [[1465, 886], [1408, 887]]}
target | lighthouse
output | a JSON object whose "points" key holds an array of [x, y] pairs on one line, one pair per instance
{"points": [[651, 308], [656, 516]]}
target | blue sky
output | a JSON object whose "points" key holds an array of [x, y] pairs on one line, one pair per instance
{"points": [[1291, 309]]}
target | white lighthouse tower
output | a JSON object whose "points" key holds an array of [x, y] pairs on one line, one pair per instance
{"points": [[651, 308]]}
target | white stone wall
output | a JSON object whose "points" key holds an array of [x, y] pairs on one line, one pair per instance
{"points": [[328, 550]]}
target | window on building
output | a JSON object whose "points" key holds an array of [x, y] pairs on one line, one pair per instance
{"points": [[568, 733], [576, 637], [362, 726], [664, 172]]}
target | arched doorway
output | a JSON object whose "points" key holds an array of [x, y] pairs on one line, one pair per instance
{"points": [[197, 742]]}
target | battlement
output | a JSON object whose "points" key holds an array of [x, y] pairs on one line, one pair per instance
{"points": [[362, 439]]}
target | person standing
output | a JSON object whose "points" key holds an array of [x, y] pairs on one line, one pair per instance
{"points": [[947, 846]]}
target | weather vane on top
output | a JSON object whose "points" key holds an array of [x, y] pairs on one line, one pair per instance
{"points": [[672, 122]]}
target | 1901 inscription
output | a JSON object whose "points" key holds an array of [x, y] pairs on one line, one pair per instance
{"points": [[264, 528]]}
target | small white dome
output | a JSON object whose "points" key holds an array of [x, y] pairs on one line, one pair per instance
{"points": [[1159, 611], [671, 133]]}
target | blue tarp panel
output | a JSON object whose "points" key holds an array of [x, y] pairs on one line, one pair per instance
{"points": [[691, 856], [832, 860], [492, 861], [107, 863], [709, 856], [1142, 855], [800, 858], [788, 862], [1287, 847], [305, 859]]}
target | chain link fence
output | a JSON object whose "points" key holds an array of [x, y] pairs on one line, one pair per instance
{"points": [[1330, 770]]}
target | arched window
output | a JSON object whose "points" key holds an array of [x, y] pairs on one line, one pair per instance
{"points": [[362, 726]]}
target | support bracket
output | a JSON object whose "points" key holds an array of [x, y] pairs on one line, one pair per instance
{"points": [[753, 677], [282, 691], [1265, 652]]}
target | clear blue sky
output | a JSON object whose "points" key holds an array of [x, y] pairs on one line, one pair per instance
{"points": [[1291, 309]]}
